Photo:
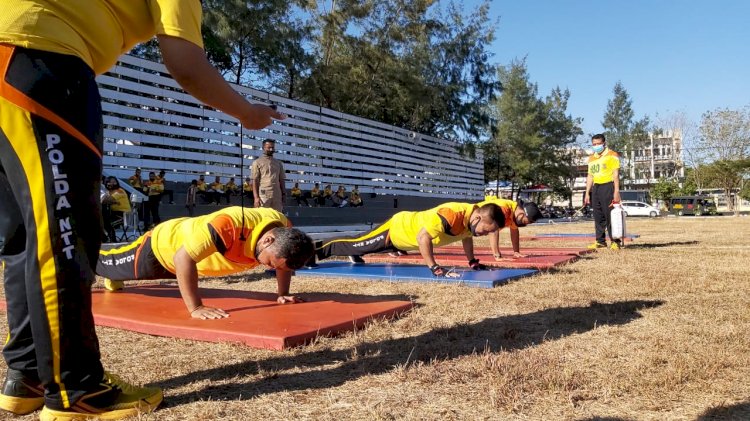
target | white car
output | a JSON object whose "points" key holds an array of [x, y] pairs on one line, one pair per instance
{"points": [[633, 208]]}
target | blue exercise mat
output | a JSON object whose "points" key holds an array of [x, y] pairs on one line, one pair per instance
{"points": [[414, 273], [581, 235]]}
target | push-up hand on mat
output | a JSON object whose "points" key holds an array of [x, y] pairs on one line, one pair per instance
{"points": [[515, 216], [228, 241], [444, 224]]}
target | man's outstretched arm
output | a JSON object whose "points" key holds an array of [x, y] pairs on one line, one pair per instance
{"points": [[187, 279]]}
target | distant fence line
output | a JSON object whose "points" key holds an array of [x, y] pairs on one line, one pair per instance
{"points": [[150, 123]]}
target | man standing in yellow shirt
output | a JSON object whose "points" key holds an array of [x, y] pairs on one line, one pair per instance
{"points": [[210, 245], [444, 224], [51, 136], [602, 189]]}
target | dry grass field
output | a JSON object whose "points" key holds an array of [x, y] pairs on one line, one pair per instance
{"points": [[657, 331]]}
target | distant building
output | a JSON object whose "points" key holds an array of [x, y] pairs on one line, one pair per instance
{"points": [[660, 157]]}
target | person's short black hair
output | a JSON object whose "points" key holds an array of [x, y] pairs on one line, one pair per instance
{"points": [[194, 182], [599, 136], [495, 212], [268, 141], [532, 211], [293, 245]]}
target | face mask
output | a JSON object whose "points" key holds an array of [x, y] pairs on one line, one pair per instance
{"points": [[268, 153], [598, 148]]}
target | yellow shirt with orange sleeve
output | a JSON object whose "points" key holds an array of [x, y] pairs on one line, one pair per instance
{"points": [[507, 206], [446, 224], [602, 166], [213, 240], [97, 32]]}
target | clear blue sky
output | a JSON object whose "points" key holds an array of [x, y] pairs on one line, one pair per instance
{"points": [[670, 55]]}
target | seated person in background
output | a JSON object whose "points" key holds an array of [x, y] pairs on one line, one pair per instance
{"points": [[216, 190], [316, 195], [340, 198], [298, 196], [355, 200], [444, 224], [247, 188], [116, 204], [210, 245], [203, 189], [327, 195], [231, 189], [515, 216]]}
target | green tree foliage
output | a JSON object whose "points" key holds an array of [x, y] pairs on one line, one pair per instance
{"points": [[264, 40], [728, 175], [530, 135], [408, 63], [665, 189]]}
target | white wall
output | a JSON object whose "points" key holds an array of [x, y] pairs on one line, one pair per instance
{"points": [[152, 124]]}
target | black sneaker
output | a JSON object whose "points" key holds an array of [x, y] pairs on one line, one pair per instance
{"points": [[356, 259], [114, 399], [21, 394]]}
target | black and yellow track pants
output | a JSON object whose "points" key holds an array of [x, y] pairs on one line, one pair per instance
{"points": [[133, 261], [50, 218], [601, 199], [376, 241]]}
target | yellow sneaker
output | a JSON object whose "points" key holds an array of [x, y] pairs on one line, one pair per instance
{"points": [[113, 286], [114, 399], [21, 395], [615, 246], [596, 245]]}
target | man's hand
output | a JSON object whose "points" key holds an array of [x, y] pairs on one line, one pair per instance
{"points": [[475, 265], [586, 199], [259, 116], [442, 272], [283, 299], [205, 313], [616, 198], [256, 203]]}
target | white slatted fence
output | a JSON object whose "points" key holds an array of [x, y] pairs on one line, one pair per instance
{"points": [[150, 123]]}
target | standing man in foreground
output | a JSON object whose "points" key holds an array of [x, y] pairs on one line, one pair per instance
{"points": [[602, 189], [51, 136], [268, 179], [222, 243], [444, 224]]}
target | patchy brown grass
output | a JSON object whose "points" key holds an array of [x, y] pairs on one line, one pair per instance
{"points": [[658, 331]]}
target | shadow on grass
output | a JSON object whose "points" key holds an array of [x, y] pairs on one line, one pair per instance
{"points": [[738, 411], [507, 333], [659, 245]]}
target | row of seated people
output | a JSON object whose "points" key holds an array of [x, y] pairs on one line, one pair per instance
{"points": [[327, 197]]}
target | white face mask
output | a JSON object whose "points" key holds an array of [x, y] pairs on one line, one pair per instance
{"points": [[598, 148]]}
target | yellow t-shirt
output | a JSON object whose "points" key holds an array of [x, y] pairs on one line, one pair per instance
{"points": [[296, 192], [602, 167], [213, 240], [98, 31], [446, 224], [123, 204], [507, 206]]}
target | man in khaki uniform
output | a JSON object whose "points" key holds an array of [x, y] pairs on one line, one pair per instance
{"points": [[268, 179]]}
